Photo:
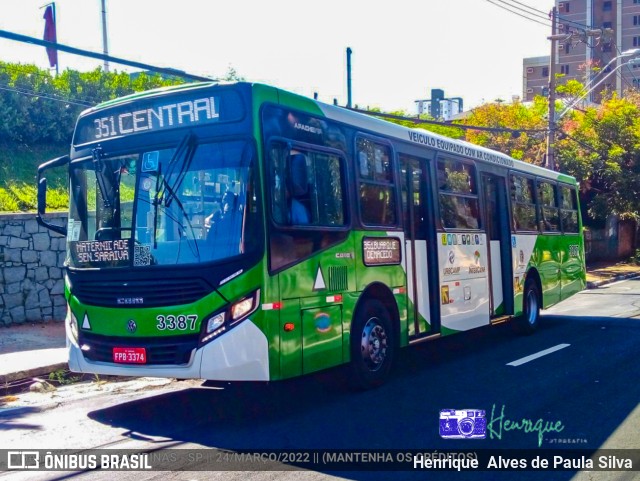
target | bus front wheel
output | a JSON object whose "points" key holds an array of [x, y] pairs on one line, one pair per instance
{"points": [[530, 320], [372, 345]]}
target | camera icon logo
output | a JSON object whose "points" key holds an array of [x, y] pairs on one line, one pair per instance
{"points": [[463, 424]]}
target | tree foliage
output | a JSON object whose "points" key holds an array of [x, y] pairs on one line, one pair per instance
{"points": [[527, 146], [37, 107], [600, 146]]}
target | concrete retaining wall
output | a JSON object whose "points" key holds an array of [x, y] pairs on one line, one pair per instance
{"points": [[31, 275]]}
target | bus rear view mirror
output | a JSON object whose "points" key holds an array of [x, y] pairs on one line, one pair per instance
{"points": [[42, 193], [42, 196]]}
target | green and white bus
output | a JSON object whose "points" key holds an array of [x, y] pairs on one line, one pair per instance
{"points": [[242, 232]]}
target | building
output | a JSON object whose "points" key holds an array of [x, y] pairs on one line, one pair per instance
{"points": [[535, 77], [440, 107], [619, 21]]}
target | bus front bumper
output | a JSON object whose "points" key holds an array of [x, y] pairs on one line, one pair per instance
{"points": [[242, 354]]}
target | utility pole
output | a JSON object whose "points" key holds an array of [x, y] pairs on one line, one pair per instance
{"points": [[550, 161], [349, 77], [105, 45]]}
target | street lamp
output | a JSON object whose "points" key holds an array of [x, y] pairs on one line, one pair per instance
{"points": [[633, 61]]}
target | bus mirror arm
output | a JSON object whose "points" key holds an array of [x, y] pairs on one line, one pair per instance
{"points": [[42, 193]]}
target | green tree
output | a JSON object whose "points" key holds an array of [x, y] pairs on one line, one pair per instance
{"points": [[37, 108], [517, 116], [600, 146]]}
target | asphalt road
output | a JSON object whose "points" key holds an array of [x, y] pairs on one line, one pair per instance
{"points": [[588, 382]]}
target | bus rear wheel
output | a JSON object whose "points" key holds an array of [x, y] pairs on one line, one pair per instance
{"points": [[372, 345], [530, 320]]}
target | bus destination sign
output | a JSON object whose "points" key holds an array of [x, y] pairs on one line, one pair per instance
{"points": [[381, 251], [157, 114], [101, 253]]}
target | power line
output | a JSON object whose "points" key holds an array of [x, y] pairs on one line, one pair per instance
{"points": [[545, 17], [518, 14], [537, 13], [531, 8], [86, 53], [416, 120], [33, 93], [581, 25]]}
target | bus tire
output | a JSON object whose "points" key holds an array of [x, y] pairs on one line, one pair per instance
{"points": [[372, 345], [529, 321]]}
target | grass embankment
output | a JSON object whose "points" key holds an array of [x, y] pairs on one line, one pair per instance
{"points": [[18, 175]]}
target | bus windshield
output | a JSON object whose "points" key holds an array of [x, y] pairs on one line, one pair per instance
{"points": [[180, 205]]}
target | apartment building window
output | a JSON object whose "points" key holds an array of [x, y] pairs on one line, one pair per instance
{"points": [[606, 47], [564, 69], [606, 24], [545, 71], [563, 7], [636, 41], [606, 6], [636, 20]]}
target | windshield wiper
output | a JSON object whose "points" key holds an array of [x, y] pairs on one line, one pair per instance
{"points": [[166, 192], [97, 155], [183, 155]]}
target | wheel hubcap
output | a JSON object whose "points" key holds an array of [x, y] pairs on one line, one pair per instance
{"points": [[373, 345]]}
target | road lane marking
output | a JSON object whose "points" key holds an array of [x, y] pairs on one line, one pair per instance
{"points": [[524, 360]]}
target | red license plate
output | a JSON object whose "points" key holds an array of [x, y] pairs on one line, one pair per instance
{"points": [[130, 355]]}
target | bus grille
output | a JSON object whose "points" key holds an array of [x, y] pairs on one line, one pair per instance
{"points": [[338, 278], [147, 293], [174, 350]]}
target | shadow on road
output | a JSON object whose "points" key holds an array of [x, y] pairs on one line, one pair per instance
{"points": [[9, 418], [466, 371]]}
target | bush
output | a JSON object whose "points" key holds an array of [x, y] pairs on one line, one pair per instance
{"points": [[7, 202]]}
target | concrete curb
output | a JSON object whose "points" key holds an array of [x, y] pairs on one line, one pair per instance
{"points": [[31, 373], [604, 282]]}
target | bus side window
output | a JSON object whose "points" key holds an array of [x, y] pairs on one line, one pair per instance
{"points": [[377, 190], [308, 196], [458, 195], [569, 210], [523, 203], [298, 190], [548, 207]]}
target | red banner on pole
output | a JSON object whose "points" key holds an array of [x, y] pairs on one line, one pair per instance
{"points": [[50, 34]]}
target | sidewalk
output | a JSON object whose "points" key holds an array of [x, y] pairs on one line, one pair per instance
{"points": [[602, 273], [31, 350]]}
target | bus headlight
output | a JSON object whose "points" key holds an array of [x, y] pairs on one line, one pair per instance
{"points": [[215, 322], [244, 307], [238, 311]]}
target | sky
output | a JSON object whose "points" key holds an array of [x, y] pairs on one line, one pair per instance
{"points": [[401, 49]]}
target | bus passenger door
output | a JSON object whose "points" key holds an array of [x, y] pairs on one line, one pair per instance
{"points": [[421, 256], [499, 236]]}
